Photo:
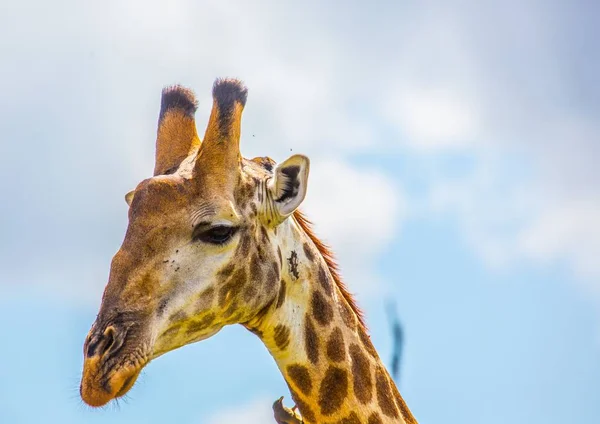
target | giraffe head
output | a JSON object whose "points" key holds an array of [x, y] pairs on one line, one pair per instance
{"points": [[201, 248]]}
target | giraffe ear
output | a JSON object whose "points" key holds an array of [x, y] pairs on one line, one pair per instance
{"points": [[288, 185], [129, 197]]}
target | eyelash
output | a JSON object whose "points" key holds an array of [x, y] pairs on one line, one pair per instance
{"points": [[217, 234]]}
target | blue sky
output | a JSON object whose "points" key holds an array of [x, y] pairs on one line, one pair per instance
{"points": [[453, 149]]}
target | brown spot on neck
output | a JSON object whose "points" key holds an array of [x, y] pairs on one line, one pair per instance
{"points": [[311, 341], [321, 309], [347, 315], [336, 350], [367, 344], [361, 374], [350, 419], [375, 418], [404, 411], [324, 280], [281, 336], [385, 398], [300, 376], [308, 252], [333, 390]]}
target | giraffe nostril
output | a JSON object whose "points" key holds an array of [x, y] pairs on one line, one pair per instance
{"points": [[109, 339], [91, 347], [103, 344]]}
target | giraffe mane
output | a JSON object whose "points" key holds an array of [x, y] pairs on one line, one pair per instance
{"points": [[328, 255]]}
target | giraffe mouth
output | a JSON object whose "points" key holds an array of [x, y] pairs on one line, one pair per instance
{"points": [[97, 391], [128, 384]]}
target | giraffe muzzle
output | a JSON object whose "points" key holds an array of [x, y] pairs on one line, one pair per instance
{"points": [[110, 366]]}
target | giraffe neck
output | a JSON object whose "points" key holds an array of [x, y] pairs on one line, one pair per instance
{"points": [[323, 352]]}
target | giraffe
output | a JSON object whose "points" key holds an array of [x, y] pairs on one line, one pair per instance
{"points": [[216, 239]]}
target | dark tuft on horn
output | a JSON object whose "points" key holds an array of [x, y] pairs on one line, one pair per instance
{"points": [[177, 97], [227, 91]]}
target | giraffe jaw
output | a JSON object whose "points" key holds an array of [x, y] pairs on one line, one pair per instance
{"points": [[160, 347]]}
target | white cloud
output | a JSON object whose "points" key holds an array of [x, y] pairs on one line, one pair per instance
{"points": [[511, 211], [434, 74], [256, 412], [433, 119], [499, 94], [356, 211], [99, 93], [568, 232]]}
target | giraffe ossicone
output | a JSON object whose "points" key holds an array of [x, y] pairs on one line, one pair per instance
{"points": [[216, 239]]}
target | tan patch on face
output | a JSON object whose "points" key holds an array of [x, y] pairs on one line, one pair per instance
{"points": [[385, 398], [202, 324], [255, 268], [311, 341], [333, 390], [178, 316], [244, 194], [233, 287], [361, 374], [367, 344], [169, 335], [281, 295], [226, 271], [272, 276], [244, 247], [230, 310], [299, 375], [321, 310], [146, 289], [205, 299], [336, 350], [374, 418], [325, 280], [264, 235], [249, 292], [281, 335], [350, 419]]}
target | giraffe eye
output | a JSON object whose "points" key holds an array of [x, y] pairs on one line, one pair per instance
{"points": [[215, 234]]}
